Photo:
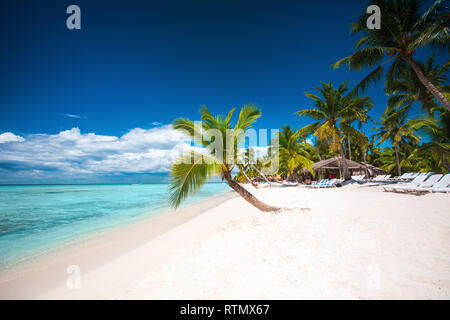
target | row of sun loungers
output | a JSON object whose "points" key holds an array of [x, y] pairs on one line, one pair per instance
{"points": [[324, 183], [359, 178], [423, 183], [382, 178], [407, 176]]}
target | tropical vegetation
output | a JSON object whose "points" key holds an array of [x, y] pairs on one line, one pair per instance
{"points": [[412, 134]]}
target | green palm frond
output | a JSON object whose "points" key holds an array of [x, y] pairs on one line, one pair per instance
{"points": [[312, 113], [188, 174], [247, 117], [189, 128], [371, 79]]}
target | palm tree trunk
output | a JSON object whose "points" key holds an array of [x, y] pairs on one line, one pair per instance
{"points": [[349, 148], [347, 175], [397, 158], [251, 198], [427, 83], [366, 172]]}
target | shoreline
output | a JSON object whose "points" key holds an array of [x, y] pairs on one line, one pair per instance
{"points": [[356, 242], [100, 247]]}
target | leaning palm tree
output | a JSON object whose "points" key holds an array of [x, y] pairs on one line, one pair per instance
{"points": [[193, 168], [393, 127], [404, 29], [407, 89], [333, 112]]}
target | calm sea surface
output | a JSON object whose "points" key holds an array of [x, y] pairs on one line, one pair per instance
{"points": [[39, 218]]}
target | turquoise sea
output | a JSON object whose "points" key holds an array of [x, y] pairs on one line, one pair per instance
{"points": [[35, 219]]}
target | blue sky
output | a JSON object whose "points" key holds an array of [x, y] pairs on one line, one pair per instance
{"points": [[140, 64]]}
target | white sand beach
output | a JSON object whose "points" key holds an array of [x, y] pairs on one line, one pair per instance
{"points": [[354, 242]]}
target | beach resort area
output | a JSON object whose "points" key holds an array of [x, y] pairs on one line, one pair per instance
{"points": [[225, 150]]}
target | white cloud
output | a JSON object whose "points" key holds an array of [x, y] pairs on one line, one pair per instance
{"points": [[71, 153], [70, 115], [156, 123], [10, 137]]}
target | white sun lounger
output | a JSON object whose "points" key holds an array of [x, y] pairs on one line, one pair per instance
{"points": [[382, 178], [378, 178], [358, 178], [444, 190], [426, 185], [402, 187], [443, 185], [404, 176]]}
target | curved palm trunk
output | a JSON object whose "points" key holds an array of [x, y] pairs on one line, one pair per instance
{"points": [[251, 198], [347, 175], [427, 83], [397, 158]]}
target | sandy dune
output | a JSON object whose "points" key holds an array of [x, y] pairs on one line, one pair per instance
{"points": [[355, 242]]}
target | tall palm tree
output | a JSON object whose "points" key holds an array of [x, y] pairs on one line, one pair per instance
{"points": [[192, 169], [393, 127], [333, 112], [293, 154], [404, 29], [408, 89]]}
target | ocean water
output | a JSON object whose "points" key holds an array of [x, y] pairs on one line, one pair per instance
{"points": [[38, 218]]}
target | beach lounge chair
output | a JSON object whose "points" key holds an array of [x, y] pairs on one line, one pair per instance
{"points": [[404, 186], [443, 185], [426, 185], [411, 176], [382, 178], [377, 178], [320, 184], [403, 176], [314, 184]]}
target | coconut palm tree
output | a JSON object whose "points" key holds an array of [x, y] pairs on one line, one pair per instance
{"points": [[192, 169], [293, 154], [404, 29], [408, 89], [393, 127], [333, 112]]}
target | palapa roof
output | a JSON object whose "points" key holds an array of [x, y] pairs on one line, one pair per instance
{"points": [[336, 163], [372, 169]]}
